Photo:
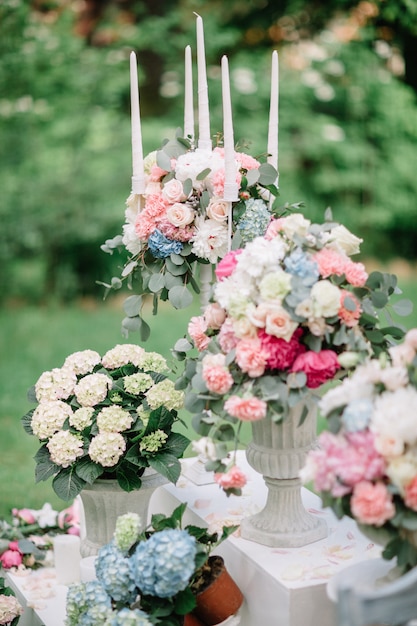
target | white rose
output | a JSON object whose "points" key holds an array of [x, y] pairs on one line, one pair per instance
{"points": [[244, 329], [279, 323], [388, 445], [317, 326], [295, 224], [218, 209], [345, 240], [401, 470], [326, 299], [180, 214], [403, 354], [173, 191]]}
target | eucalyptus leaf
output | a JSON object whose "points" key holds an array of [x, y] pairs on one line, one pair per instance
{"points": [[183, 345], [156, 282], [252, 177], [403, 307], [132, 305], [163, 160], [180, 297], [267, 174]]}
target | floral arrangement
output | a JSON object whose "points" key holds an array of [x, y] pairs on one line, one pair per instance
{"points": [[26, 542], [366, 466], [183, 221], [106, 417], [290, 312], [147, 577], [10, 608]]}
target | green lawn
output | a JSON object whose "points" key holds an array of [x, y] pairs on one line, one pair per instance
{"points": [[38, 339]]}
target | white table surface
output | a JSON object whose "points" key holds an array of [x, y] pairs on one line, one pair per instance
{"points": [[282, 587]]}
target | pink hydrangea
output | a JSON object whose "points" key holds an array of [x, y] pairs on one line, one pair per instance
{"points": [[356, 274], [410, 495], [348, 316], [372, 503], [226, 266], [197, 330], [317, 366], [233, 479], [250, 357], [246, 409], [330, 262], [281, 354]]}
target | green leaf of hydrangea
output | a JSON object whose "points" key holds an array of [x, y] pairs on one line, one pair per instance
{"points": [[88, 470], [67, 485]]}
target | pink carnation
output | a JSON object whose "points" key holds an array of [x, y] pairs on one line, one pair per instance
{"points": [[246, 409], [372, 504], [317, 366], [410, 496], [246, 161], [281, 354], [227, 338], [218, 182], [147, 220], [197, 330], [226, 266], [330, 262], [349, 318], [250, 357], [355, 273], [11, 558], [217, 378], [233, 479]]}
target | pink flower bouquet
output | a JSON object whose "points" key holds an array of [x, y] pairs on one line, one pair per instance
{"points": [[366, 467], [290, 312], [182, 221]]}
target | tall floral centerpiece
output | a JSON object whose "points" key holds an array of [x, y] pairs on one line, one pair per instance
{"points": [[366, 463], [105, 424], [290, 312]]}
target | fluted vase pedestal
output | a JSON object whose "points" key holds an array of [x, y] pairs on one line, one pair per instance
{"points": [[278, 452]]}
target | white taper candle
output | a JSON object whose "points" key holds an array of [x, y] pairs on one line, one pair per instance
{"points": [[188, 99], [138, 177], [230, 185], [273, 113], [204, 139]]}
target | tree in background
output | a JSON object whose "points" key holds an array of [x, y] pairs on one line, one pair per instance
{"points": [[348, 117]]}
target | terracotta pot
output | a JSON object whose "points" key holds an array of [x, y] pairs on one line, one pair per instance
{"points": [[221, 599], [192, 620]]}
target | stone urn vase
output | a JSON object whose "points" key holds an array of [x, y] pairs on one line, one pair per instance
{"points": [[278, 452], [104, 501]]}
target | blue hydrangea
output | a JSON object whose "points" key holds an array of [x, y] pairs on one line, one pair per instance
{"points": [[163, 565], [95, 615], [357, 415], [129, 617], [161, 246], [114, 573], [302, 265], [82, 597], [255, 220]]}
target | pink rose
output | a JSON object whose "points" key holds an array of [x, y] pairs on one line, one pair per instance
{"points": [[246, 409], [250, 357], [25, 515], [317, 366], [226, 266], [196, 329], [348, 316], [173, 191], [214, 315], [356, 274], [233, 479], [218, 209], [180, 214], [372, 504], [281, 354], [11, 558], [410, 495]]}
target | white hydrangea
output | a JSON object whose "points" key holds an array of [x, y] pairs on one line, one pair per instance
{"points": [[58, 384], [81, 418], [260, 256], [350, 389], [65, 448], [92, 389], [113, 419], [152, 362], [107, 448], [82, 362], [210, 240], [49, 417], [122, 354], [165, 394], [137, 383]]}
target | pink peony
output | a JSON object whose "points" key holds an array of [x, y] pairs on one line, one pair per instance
{"points": [[217, 378], [318, 366], [410, 495], [226, 266], [372, 503], [355, 273], [196, 329], [233, 479], [246, 409], [25, 515], [330, 262], [348, 316], [11, 558], [250, 357], [14, 545], [281, 354], [227, 337]]}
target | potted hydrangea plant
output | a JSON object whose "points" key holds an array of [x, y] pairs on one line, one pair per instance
{"points": [[105, 425], [156, 576]]}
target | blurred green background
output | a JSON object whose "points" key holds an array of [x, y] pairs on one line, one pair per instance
{"points": [[347, 139]]}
